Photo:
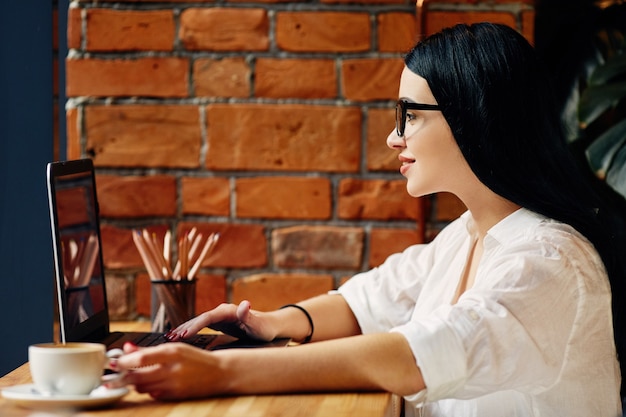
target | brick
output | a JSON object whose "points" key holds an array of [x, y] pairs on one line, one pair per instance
{"points": [[74, 28], [149, 77], [210, 292], [119, 250], [363, 2], [143, 135], [55, 132], [303, 78], [73, 150], [136, 196], [375, 199], [145, 1], [397, 32], [476, 2], [381, 123], [437, 20], [254, 141], [224, 29], [267, 1], [68, 216], [283, 138], [449, 207], [344, 279], [371, 79], [119, 297], [143, 299], [325, 247], [268, 292], [323, 31], [384, 242], [424, 215], [226, 77], [206, 196], [437, 2], [129, 30], [284, 198], [55, 76], [239, 246]]}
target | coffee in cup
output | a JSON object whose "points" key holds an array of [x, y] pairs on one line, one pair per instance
{"points": [[69, 368]]}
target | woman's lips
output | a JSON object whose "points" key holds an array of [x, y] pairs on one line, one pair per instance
{"points": [[406, 164]]}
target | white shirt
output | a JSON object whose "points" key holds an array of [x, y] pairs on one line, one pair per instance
{"points": [[533, 336]]}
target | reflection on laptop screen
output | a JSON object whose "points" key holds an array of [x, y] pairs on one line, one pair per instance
{"points": [[80, 275]]}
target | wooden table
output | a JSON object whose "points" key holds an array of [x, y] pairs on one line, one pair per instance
{"points": [[349, 404]]}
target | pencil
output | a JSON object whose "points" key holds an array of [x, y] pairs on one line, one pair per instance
{"points": [[167, 255], [210, 243], [158, 254], [145, 257]]}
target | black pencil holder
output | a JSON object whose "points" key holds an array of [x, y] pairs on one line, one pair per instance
{"points": [[173, 303]]}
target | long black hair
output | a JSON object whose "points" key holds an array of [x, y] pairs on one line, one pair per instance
{"points": [[496, 96]]}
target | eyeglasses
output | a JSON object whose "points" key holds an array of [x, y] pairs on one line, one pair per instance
{"points": [[402, 106]]}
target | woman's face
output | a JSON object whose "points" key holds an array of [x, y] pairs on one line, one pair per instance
{"points": [[431, 160]]}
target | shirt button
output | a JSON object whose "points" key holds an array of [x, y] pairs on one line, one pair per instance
{"points": [[473, 315]]}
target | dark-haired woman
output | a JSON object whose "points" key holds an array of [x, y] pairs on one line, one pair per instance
{"points": [[507, 312]]}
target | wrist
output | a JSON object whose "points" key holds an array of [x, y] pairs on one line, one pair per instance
{"points": [[230, 374], [303, 312]]}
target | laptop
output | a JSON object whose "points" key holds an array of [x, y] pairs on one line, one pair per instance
{"points": [[80, 288]]}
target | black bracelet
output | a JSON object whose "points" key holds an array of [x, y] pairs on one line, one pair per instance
{"points": [[308, 316]]}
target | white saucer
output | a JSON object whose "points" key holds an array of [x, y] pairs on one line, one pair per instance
{"points": [[27, 396]]}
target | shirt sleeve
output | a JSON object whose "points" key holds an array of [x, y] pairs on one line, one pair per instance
{"points": [[515, 328], [380, 298], [385, 297]]}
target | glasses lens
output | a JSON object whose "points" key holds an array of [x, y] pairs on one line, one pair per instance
{"points": [[400, 118]]}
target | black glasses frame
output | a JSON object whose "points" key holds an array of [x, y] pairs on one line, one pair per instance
{"points": [[401, 108]]}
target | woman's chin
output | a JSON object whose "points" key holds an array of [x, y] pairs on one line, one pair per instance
{"points": [[419, 189]]}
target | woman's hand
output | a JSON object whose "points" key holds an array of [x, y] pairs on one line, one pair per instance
{"points": [[175, 371], [171, 371], [239, 321]]}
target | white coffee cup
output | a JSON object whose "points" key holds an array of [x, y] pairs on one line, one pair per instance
{"points": [[70, 368]]}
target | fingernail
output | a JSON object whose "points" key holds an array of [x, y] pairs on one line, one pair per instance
{"points": [[184, 333], [130, 345], [113, 364]]}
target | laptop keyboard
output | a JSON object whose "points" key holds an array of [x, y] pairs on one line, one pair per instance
{"points": [[153, 339], [200, 340], [149, 339]]}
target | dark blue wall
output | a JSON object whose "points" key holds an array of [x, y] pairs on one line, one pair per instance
{"points": [[26, 138]]}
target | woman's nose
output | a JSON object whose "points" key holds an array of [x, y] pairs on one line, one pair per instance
{"points": [[394, 141]]}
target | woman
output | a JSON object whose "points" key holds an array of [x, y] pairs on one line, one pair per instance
{"points": [[507, 312]]}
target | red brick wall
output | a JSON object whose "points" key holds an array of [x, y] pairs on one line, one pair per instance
{"points": [[265, 121]]}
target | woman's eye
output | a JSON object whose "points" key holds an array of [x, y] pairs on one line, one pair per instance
{"points": [[410, 116]]}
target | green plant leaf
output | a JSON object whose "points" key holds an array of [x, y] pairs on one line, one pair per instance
{"points": [[616, 176], [601, 154], [613, 67], [595, 100]]}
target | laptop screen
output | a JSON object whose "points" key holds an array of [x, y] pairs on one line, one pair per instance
{"points": [[76, 243]]}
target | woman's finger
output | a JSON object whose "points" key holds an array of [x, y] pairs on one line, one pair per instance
{"points": [[243, 311], [223, 313], [142, 357]]}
